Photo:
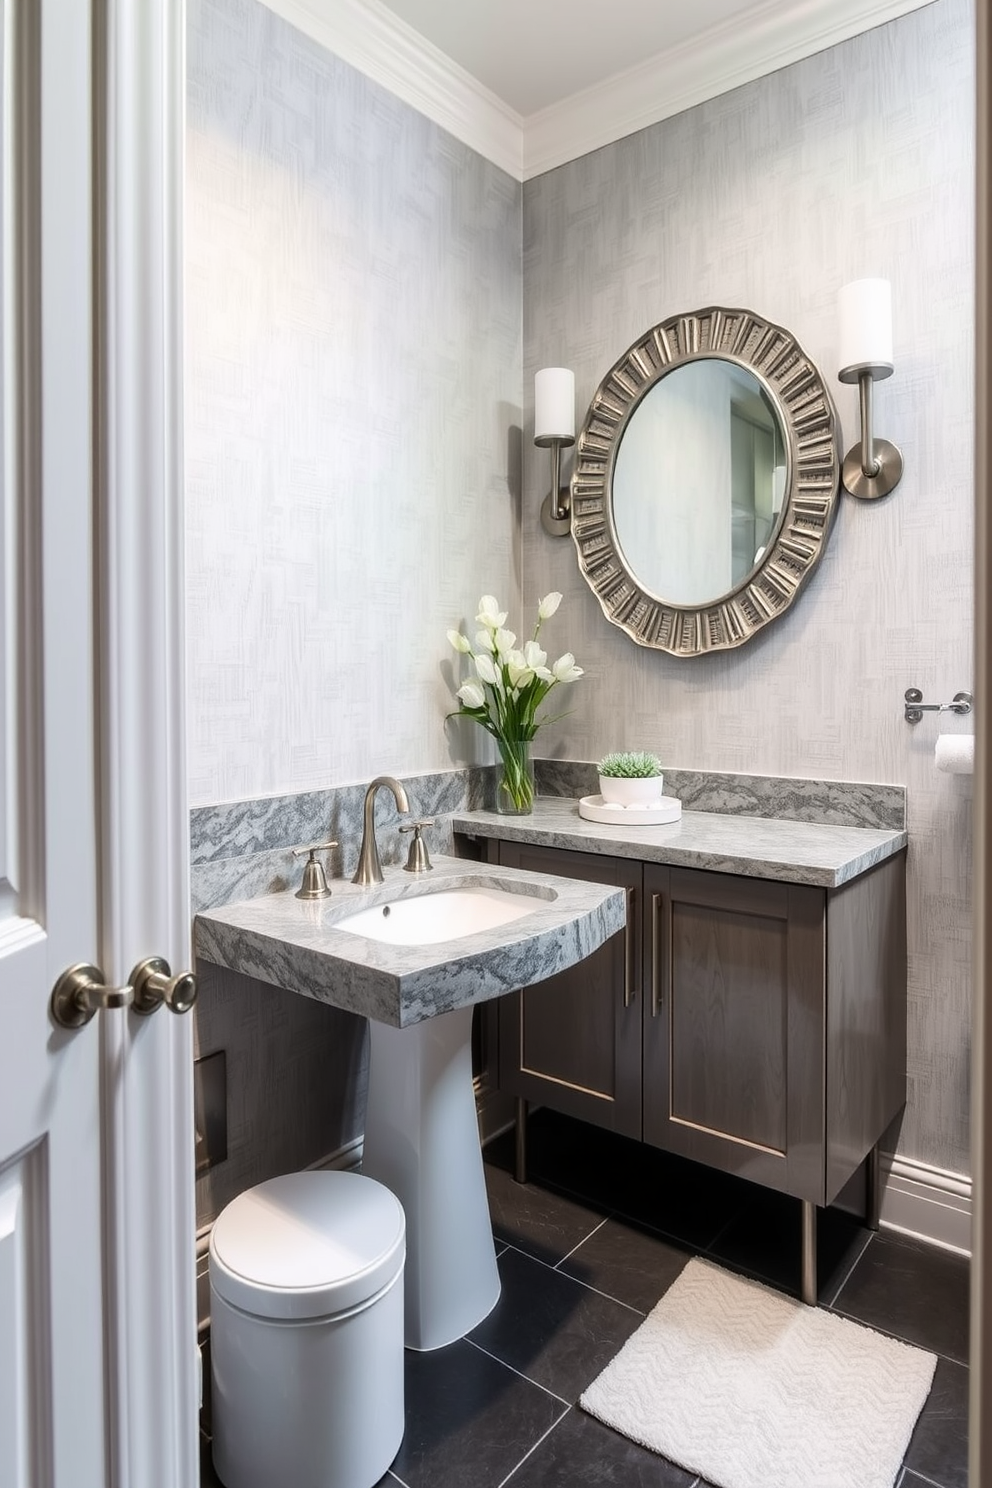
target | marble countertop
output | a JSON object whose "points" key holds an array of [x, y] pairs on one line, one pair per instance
{"points": [[294, 944], [754, 846]]}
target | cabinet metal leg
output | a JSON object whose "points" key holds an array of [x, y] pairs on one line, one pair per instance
{"points": [[873, 1189], [808, 1287], [520, 1148]]}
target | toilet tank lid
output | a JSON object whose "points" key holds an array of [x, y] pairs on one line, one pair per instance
{"points": [[307, 1245]]}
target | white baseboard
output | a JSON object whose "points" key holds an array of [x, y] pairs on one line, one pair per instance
{"points": [[930, 1203], [343, 1158]]}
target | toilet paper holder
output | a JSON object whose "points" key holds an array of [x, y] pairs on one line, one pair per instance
{"points": [[916, 707]]}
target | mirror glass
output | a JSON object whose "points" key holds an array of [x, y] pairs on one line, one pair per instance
{"points": [[699, 481]]}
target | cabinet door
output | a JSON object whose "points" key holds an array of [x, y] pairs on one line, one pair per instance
{"points": [[733, 1025], [573, 1041]]}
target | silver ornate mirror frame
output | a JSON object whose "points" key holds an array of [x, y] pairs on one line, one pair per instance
{"points": [[809, 425]]}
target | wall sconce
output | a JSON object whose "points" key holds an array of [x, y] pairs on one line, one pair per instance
{"points": [[554, 429], [872, 468]]}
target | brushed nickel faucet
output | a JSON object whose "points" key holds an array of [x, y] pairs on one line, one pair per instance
{"points": [[369, 866]]}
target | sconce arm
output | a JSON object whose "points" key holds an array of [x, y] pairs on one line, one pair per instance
{"points": [[556, 514], [873, 467]]}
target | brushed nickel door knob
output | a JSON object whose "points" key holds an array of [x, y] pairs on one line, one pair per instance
{"points": [[154, 984], [80, 992]]}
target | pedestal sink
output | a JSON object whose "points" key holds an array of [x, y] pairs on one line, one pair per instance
{"points": [[422, 1142], [421, 1136], [413, 957]]}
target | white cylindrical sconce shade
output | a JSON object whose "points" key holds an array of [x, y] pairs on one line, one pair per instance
{"points": [[865, 309], [554, 405]]}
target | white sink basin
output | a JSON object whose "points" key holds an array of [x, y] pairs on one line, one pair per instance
{"points": [[446, 914]]}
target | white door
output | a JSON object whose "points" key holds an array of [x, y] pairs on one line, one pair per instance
{"points": [[97, 1321]]}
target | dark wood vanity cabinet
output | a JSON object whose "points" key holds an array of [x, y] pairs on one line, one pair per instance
{"points": [[753, 1025], [573, 1042], [733, 1023]]}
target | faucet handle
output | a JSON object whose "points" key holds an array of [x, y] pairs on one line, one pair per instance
{"points": [[314, 885], [418, 860]]}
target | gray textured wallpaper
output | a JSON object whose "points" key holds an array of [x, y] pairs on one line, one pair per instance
{"points": [[856, 162], [362, 333], [353, 392]]}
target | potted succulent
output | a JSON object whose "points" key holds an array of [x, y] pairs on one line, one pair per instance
{"points": [[630, 777]]}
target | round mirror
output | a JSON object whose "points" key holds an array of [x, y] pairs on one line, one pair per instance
{"points": [[705, 481]]}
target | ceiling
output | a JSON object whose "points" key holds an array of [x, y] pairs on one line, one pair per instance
{"points": [[531, 84], [534, 53]]}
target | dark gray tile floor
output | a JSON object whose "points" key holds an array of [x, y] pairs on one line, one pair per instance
{"points": [[585, 1250]]}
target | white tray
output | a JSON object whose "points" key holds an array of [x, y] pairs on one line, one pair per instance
{"points": [[594, 808]]}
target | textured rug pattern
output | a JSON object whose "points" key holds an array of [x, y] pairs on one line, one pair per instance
{"points": [[747, 1388]]}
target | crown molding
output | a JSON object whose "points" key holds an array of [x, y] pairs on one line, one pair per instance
{"points": [[371, 38], [712, 63]]}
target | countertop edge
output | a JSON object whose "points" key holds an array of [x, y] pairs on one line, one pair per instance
{"points": [[272, 940], [818, 854]]}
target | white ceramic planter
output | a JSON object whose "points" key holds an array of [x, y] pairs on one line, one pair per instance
{"points": [[618, 791]]}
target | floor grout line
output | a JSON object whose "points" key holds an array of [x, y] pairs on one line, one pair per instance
{"points": [[608, 1296], [553, 1427], [932, 1482], [869, 1237], [630, 1217], [518, 1372], [594, 1231]]}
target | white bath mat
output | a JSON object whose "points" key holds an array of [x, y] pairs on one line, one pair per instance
{"points": [[748, 1388]]}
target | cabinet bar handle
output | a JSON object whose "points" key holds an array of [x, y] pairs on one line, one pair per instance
{"points": [[655, 959], [628, 951]]}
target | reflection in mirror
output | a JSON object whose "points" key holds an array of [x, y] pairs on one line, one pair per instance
{"points": [[699, 481]]}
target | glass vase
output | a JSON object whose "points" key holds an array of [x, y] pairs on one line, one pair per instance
{"points": [[515, 782]]}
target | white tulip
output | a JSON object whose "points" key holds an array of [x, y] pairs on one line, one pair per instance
{"points": [[520, 673], [536, 659], [509, 678], [485, 669], [471, 694], [565, 669], [490, 615]]}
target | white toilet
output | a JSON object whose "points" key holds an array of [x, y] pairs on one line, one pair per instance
{"points": [[306, 1333]]}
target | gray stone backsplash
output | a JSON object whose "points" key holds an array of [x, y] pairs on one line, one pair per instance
{"points": [[242, 849], [836, 803], [265, 823]]}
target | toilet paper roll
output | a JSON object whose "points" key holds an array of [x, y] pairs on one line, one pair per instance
{"points": [[955, 754]]}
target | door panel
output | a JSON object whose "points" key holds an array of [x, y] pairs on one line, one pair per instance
{"points": [[574, 1039], [733, 1028], [51, 1194], [577, 1046], [729, 1019], [25, 1370], [97, 1361]]}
